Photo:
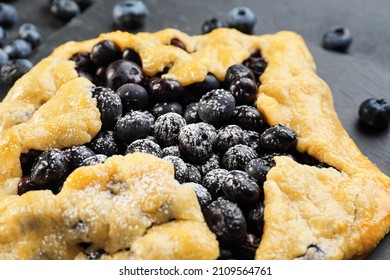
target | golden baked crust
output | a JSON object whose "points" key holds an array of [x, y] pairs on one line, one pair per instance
{"points": [[328, 213]]}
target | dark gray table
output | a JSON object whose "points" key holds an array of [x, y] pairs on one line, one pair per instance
{"points": [[353, 77]]}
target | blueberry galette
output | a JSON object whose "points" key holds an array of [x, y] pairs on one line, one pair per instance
{"points": [[167, 146]]}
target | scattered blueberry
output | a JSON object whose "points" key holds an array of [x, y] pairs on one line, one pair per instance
{"points": [[144, 146], [161, 108], [258, 168], [105, 143], [337, 39], [14, 69], [242, 19], [18, 48], [130, 14], [3, 57], [65, 10], [244, 90], [181, 171], [134, 97], [278, 139], [132, 126], [375, 112], [105, 52], [227, 137], [8, 15], [109, 105], [193, 174], [249, 118], [237, 157], [211, 24], [132, 55], [30, 34], [76, 156], [3, 38], [95, 159], [122, 72], [213, 181], [165, 89], [167, 128]]}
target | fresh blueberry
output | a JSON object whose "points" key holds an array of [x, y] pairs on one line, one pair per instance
{"points": [[171, 151], [248, 248], [4, 59], [216, 107], [8, 15], [65, 10], [213, 181], [204, 197], [14, 69], [105, 52], [226, 221], [50, 169], [144, 146], [181, 171], [227, 137], [152, 121], [252, 139], [258, 168], [161, 108], [27, 26], [130, 14], [122, 72], [76, 156], [268, 158], [237, 71], [134, 97], [242, 19], [249, 118], [132, 126], [18, 48], [211, 24], [30, 35], [256, 64], [105, 143], [131, 55], [278, 139], [375, 112], [193, 174], [191, 113], [244, 90], [255, 219], [237, 157], [95, 159], [196, 142], [109, 105], [25, 185], [337, 39], [100, 76], [83, 62], [225, 254], [195, 91], [3, 38], [178, 44], [209, 164], [165, 89], [27, 160], [167, 128]]}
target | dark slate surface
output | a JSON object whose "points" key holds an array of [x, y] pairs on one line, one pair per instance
{"points": [[362, 73]]}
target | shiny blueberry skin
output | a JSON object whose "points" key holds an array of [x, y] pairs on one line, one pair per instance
{"points": [[255, 219], [165, 89], [375, 112], [196, 90], [133, 97], [161, 108], [8, 15], [18, 48], [258, 168], [25, 185], [76, 156], [191, 113], [211, 24], [109, 105], [30, 35], [3, 38], [144, 146], [105, 52], [193, 174], [167, 128], [213, 181], [131, 55], [132, 126], [27, 160], [105, 143], [226, 221], [227, 137], [244, 90], [249, 118], [216, 107], [241, 188], [181, 171], [50, 168], [95, 159], [122, 72], [237, 71], [65, 10], [14, 69], [278, 139], [4, 59], [213, 162], [337, 39], [204, 197], [83, 62], [237, 157], [256, 64], [130, 14], [242, 19]]}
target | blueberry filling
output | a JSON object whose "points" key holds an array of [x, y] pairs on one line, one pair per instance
{"points": [[211, 131]]}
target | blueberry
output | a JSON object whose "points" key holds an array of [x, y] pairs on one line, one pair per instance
{"points": [[167, 128], [375, 112], [181, 171], [27, 160], [278, 139], [132, 126], [193, 174], [165, 89], [196, 142], [105, 143], [225, 254], [256, 64], [133, 96], [76, 156], [191, 113], [4, 59], [65, 10], [83, 62], [3, 38], [237, 71], [227, 137], [211, 24], [161, 108], [130, 14], [27, 26], [105, 52], [18, 48], [213, 181], [171, 151], [242, 19], [255, 219], [226, 221], [122, 72], [204, 197], [14, 69], [195, 91], [177, 43], [83, 4], [249, 118], [258, 168], [268, 158], [152, 121], [50, 169], [132, 55], [100, 76], [216, 107], [209, 164], [337, 39], [30, 35], [144, 146], [241, 188], [8, 15], [237, 157], [247, 249], [25, 185], [252, 139], [95, 159], [109, 105], [244, 90]]}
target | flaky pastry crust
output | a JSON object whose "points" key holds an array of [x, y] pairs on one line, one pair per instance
{"points": [[340, 212]]}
